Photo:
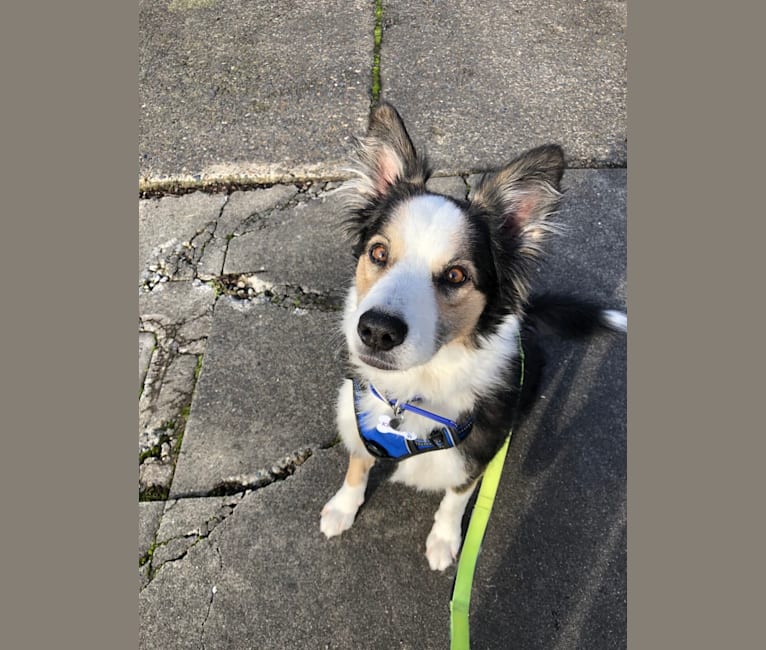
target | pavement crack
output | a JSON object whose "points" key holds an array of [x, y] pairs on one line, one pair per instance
{"points": [[213, 237], [213, 592], [176, 260], [250, 287], [305, 191], [160, 446], [377, 47], [282, 469], [467, 186], [241, 484], [178, 546]]}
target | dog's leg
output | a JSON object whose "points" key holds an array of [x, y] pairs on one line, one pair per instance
{"points": [[340, 511], [443, 541]]}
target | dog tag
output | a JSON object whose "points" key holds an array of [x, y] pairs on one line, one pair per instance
{"points": [[385, 426]]}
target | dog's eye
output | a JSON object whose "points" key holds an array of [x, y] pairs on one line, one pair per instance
{"points": [[379, 254], [455, 275]]}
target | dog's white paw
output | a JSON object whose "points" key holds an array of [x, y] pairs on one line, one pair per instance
{"points": [[339, 512], [335, 521], [441, 549]]}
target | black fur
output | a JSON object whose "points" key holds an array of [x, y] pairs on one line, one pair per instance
{"points": [[498, 412], [566, 316]]}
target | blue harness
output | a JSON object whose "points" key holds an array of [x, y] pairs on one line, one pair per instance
{"points": [[385, 440]]}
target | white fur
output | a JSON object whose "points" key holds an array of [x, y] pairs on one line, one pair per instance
{"points": [[431, 228], [443, 542], [339, 512], [617, 320], [393, 294]]}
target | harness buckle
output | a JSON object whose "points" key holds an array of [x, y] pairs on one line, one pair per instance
{"points": [[437, 439]]}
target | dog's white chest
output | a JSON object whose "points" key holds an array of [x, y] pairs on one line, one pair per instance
{"points": [[436, 470]]}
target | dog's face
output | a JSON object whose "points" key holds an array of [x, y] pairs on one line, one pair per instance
{"points": [[434, 271], [417, 284]]}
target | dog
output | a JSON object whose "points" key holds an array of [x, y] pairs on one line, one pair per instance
{"points": [[438, 319]]}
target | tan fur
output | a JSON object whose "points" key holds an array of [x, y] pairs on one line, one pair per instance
{"points": [[458, 318], [366, 274], [358, 469]]}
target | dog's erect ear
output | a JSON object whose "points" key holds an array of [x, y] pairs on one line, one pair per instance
{"points": [[386, 155], [522, 194]]}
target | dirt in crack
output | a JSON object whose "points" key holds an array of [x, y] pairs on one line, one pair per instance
{"points": [[250, 287], [285, 467]]}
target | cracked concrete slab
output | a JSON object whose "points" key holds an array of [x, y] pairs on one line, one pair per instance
{"points": [[239, 209], [146, 344], [302, 245], [162, 409], [267, 389], [241, 90], [155, 475], [186, 522], [269, 555], [149, 515], [544, 71], [167, 390], [180, 314], [552, 572], [176, 618], [166, 224], [243, 207], [178, 317]]}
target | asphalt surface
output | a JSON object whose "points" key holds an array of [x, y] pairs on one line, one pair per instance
{"points": [[239, 345]]}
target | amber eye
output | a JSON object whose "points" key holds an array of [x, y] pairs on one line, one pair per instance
{"points": [[379, 254], [455, 275]]}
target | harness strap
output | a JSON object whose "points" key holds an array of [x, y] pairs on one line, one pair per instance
{"points": [[394, 445]]}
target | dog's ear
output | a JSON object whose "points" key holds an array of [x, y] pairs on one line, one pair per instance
{"points": [[517, 201], [521, 196], [386, 156]]}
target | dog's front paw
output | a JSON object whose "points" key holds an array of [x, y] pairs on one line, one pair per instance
{"points": [[441, 548], [339, 512], [335, 521]]}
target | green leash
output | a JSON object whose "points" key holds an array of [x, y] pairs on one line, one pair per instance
{"points": [[460, 635]]}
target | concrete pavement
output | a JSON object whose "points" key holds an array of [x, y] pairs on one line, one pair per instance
{"points": [[239, 298]]}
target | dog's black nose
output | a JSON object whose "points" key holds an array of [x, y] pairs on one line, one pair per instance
{"points": [[381, 332]]}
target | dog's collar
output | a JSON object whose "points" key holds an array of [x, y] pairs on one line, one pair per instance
{"points": [[385, 440]]}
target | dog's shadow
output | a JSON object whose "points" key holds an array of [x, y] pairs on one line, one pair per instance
{"points": [[553, 567]]}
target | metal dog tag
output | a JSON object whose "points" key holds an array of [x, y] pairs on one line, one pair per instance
{"points": [[386, 424]]}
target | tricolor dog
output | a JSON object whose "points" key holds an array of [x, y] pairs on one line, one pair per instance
{"points": [[437, 320]]}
